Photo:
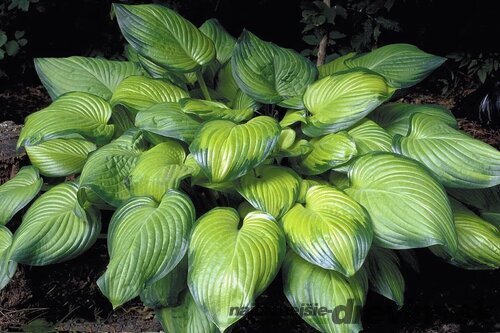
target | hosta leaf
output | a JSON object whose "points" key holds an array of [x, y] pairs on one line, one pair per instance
{"points": [[146, 240], [306, 184], [7, 266], [395, 117], [457, 159], [327, 152], [223, 41], [99, 77], [122, 119], [166, 291], [73, 113], [293, 116], [335, 66], [225, 84], [268, 73], [226, 151], [60, 157], [341, 299], [55, 228], [338, 179], [168, 120], [230, 265], [369, 137], [209, 110], [139, 93], [185, 318], [107, 169], [408, 206], [270, 188], [339, 101], [402, 65], [331, 230], [165, 37], [159, 169], [289, 146], [384, 275], [18, 192], [478, 241], [486, 201]]}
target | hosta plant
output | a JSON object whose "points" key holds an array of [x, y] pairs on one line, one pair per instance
{"points": [[229, 160]]}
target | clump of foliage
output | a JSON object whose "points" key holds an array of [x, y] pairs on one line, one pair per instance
{"points": [[227, 160]]}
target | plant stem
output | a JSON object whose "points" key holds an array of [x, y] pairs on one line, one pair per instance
{"points": [[322, 44], [203, 86]]}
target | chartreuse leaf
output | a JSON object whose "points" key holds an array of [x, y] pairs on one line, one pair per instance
{"points": [[210, 110], [395, 117], [99, 77], [368, 137], [166, 292], [338, 179], [60, 157], [55, 228], [289, 146], [293, 116], [139, 93], [185, 318], [268, 73], [16, 193], [325, 299], [158, 72], [339, 101], [74, 113], [107, 170], [408, 206], [7, 266], [146, 240], [270, 188], [224, 43], [402, 65], [327, 152], [486, 201], [306, 184], [165, 37], [226, 151], [457, 159], [230, 265], [331, 230], [384, 274], [159, 169], [168, 120], [478, 241], [335, 66]]}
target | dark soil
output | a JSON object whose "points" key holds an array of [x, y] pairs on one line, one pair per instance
{"points": [[439, 298]]}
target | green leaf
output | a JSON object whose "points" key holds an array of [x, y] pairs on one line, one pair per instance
{"points": [[327, 152], [165, 37], [368, 137], [226, 151], [138, 93], [96, 76], [60, 157], [293, 116], [159, 169], [185, 318], [478, 241], [340, 299], [335, 66], [146, 240], [289, 146], [331, 230], [168, 120], [339, 101], [402, 65], [166, 292], [408, 206], [210, 110], [7, 266], [3, 38], [268, 73], [107, 169], [74, 113], [270, 188], [395, 117], [230, 265], [12, 47], [338, 179], [223, 41], [16, 193], [457, 159], [486, 201], [55, 228], [384, 275]]}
